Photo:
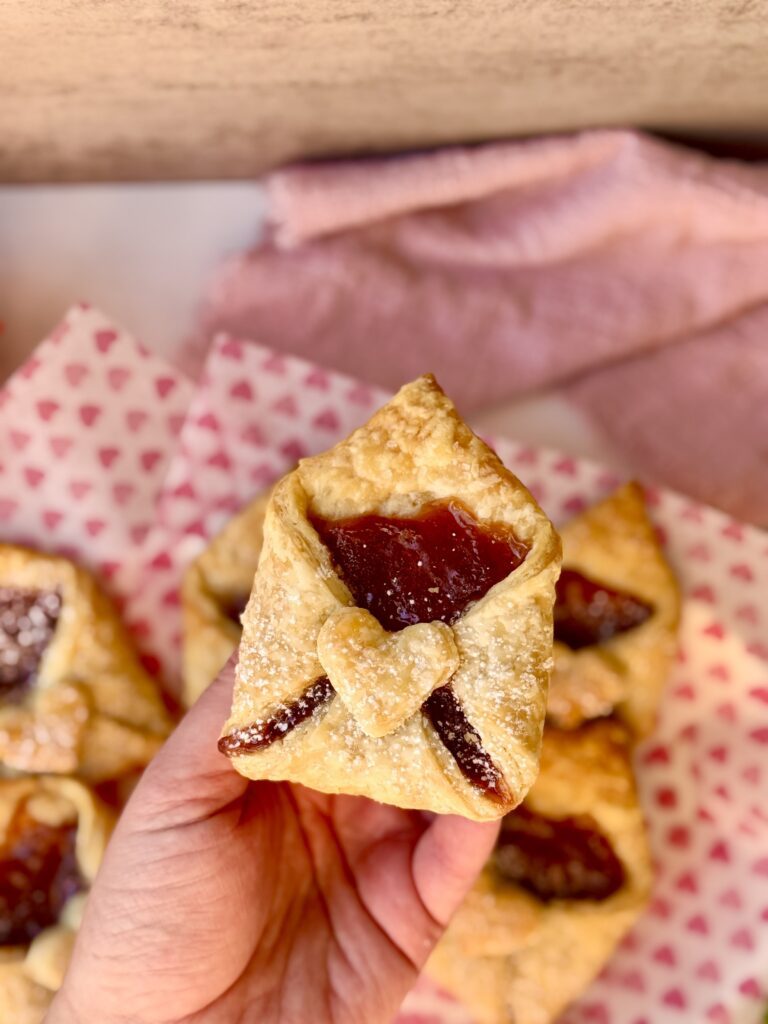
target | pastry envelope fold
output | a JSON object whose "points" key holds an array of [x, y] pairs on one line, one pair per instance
{"points": [[614, 543], [84, 705], [515, 958], [215, 592], [490, 664]]}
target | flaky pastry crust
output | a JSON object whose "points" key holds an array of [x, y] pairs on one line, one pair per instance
{"points": [[414, 451], [216, 584], [614, 542], [91, 710], [513, 959], [30, 975]]}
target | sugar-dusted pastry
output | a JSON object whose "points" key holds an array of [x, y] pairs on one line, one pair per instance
{"points": [[214, 595], [73, 697], [616, 616], [570, 874], [397, 640], [53, 832]]}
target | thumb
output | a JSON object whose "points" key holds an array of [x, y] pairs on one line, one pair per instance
{"points": [[189, 779], [448, 859]]}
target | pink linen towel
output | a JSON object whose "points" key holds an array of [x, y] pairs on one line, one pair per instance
{"points": [[629, 274]]}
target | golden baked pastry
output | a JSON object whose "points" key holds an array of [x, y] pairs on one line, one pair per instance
{"points": [[570, 874], [616, 616], [397, 641], [74, 699], [53, 832], [214, 594]]}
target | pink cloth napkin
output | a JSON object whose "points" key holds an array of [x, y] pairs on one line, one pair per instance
{"points": [[629, 274]]}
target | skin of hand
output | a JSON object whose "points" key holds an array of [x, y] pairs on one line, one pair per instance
{"points": [[226, 901]]}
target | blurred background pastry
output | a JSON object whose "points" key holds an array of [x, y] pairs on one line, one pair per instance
{"points": [[74, 698], [53, 832]]}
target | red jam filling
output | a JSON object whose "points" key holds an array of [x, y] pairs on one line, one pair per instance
{"points": [[557, 858], [234, 606], [428, 567], [263, 733], [27, 622], [588, 613], [422, 569], [38, 874], [463, 742]]}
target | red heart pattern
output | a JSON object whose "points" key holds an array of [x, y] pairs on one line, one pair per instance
{"points": [[107, 456], [709, 971], [135, 419], [79, 488], [75, 373], [104, 339], [70, 417], [19, 439], [164, 386], [243, 390], [60, 446], [117, 377], [701, 773], [47, 409]]}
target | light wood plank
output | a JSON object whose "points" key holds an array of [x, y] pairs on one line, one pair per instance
{"points": [[109, 89]]}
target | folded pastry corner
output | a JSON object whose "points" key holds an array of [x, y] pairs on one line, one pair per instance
{"points": [[397, 641], [74, 698], [53, 832], [214, 594], [570, 874], [616, 616]]}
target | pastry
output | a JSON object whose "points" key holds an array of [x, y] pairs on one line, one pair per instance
{"points": [[53, 832], [570, 874], [397, 640], [73, 697], [214, 595], [616, 616]]}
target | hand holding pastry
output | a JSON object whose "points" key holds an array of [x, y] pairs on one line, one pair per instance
{"points": [[222, 899]]}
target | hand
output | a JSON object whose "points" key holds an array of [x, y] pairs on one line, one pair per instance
{"points": [[222, 900]]}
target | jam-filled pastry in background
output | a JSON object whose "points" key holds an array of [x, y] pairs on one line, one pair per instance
{"points": [[397, 641], [53, 832], [570, 874], [74, 698], [616, 616], [215, 590]]}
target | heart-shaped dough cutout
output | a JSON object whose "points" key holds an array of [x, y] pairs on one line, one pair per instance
{"points": [[384, 678]]}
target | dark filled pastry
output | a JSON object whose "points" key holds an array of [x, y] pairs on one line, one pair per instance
{"points": [[570, 874], [53, 832], [74, 698], [397, 640], [616, 616]]}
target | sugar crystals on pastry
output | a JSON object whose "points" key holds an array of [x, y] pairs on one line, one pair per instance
{"points": [[74, 698], [53, 833], [616, 616], [397, 640], [570, 874]]}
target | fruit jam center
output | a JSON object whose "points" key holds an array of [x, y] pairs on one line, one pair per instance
{"points": [[557, 858], [38, 874], [233, 607], [264, 733], [426, 568], [27, 622], [462, 741], [589, 613]]}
